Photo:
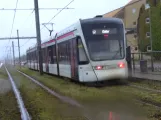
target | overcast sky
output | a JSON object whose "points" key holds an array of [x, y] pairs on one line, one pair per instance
{"points": [[25, 20]]}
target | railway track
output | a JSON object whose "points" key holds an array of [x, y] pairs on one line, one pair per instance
{"points": [[24, 113], [146, 102], [22, 99], [75, 103], [72, 101], [145, 88], [62, 98]]}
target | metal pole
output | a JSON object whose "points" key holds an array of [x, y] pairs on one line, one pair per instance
{"points": [[151, 42], [19, 48], [13, 53], [38, 35], [10, 55]]}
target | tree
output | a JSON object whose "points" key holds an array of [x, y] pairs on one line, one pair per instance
{"points": [[142, 29]]}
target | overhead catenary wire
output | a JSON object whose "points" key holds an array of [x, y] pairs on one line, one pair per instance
{"points": [[66, 7], [25, 43], [4, 9], [59, 12], [27, 18], [31, 24], [13, 20]]}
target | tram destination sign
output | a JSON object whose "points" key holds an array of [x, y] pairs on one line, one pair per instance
{"points": [[104, 31]]}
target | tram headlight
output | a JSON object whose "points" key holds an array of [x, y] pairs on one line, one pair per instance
{"points": [[121, 65], [99, 67]]}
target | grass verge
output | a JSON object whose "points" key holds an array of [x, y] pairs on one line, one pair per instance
{"points": [[114, 95], [42, 105], [8, 104], [147, 83], [67, 88]]}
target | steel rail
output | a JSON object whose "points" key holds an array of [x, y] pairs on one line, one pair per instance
{"points": [[23, 110]]}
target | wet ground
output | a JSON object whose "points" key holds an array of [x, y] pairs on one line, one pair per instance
{"points": [[109, 103], [116, 104], [122, 108]]}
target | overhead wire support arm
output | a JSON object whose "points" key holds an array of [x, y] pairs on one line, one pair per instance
{"points": [[50, 30], [6, 38], [59, 12], [7, 9]]}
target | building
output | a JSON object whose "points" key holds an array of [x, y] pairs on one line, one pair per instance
{"points": [[150, 17], [129, 14]]}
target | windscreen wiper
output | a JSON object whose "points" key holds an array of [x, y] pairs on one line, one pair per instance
{"points": [[119, 50]]}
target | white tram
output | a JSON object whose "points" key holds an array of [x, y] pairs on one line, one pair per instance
{"points": [[90, 50]]}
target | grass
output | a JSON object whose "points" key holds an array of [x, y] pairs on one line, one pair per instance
{"points": [[8, 104], [152, 113], [143, 94], [41, 105], [115, 97], [65, 87], [3, 73], [148, 83]]}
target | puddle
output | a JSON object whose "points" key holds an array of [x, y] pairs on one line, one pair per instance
{"points": [[119, 106], [100, 111]]}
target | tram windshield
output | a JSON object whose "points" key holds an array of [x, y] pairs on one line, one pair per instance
{"points": [[105, 41]]}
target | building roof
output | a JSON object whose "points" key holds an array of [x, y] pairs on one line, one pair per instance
{"points": [[114, 12], [133, 1]]}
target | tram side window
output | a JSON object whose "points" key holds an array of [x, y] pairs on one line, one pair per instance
{"points": [[60, 53], [64, 52], [28, 56], [68, 52], [50, 54], [34, 56], [54, 54], [43, 54], [82, 55]]}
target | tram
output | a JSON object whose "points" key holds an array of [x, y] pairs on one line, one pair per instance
{"points": [[90, 50]]}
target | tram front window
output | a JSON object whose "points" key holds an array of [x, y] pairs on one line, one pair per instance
{"points": [[104, 41]]}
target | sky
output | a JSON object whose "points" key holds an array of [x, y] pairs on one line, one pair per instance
{"points": [[25, 20]]}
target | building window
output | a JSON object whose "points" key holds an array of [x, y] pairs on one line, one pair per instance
{"points": [[148, 34], [134, 23], [147, 20], [136, 48], [135, 36], [155, 2], [133, 10], [147, 6], [148, 48]]}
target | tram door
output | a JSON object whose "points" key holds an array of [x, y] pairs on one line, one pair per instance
{"points": [[74, 59]]}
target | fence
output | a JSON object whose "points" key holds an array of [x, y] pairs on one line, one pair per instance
{"points": [[146, 62]]}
